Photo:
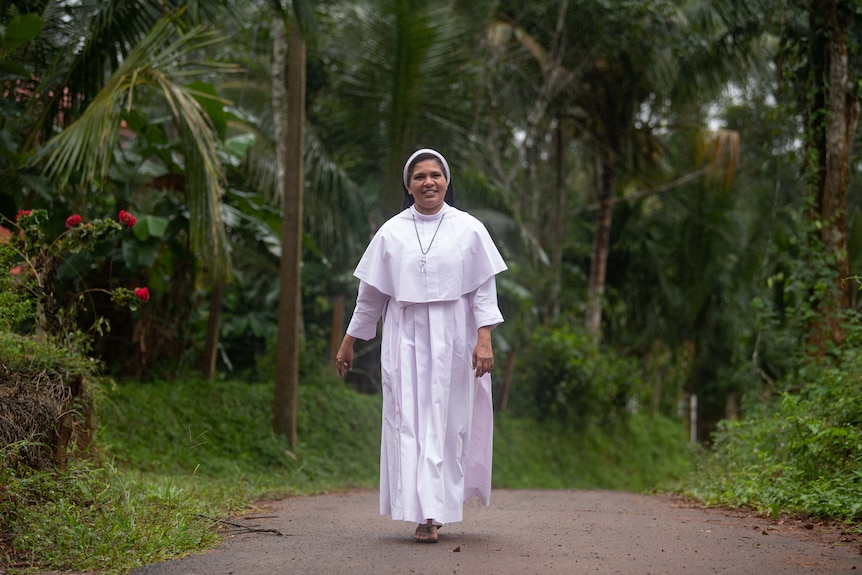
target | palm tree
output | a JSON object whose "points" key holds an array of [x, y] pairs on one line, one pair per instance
{"points": [[402, 83], [290, 138], [84, 151], [134, 45], [619, 69], [128, 56]]}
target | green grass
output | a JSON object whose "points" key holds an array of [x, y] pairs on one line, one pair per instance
{"points": [[223, 431], [175, 456], [639, 453], [92, 516]]}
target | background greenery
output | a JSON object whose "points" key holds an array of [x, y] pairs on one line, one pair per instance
{"points": [[682, 142]]}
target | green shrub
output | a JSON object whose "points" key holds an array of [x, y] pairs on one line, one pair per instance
{"points": [[564, 375], [806, 457], [48, 268]]}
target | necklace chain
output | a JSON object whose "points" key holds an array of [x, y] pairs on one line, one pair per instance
{"points": [[415, 227]]}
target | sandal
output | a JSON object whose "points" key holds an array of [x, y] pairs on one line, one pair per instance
{"points": [[425, 533]]}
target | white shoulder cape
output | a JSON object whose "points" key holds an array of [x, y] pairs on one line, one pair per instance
{"points": [[461, 258]]}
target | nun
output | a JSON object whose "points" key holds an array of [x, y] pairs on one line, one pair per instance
{"points": [[429, 273]]}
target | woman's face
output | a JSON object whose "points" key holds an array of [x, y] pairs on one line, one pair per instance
{"points": [[428, 186]]}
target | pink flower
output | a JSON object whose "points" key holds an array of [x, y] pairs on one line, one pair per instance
{"points": [[16, 271], [72, 221], [127, 218], [143, 293], [21, 214]]}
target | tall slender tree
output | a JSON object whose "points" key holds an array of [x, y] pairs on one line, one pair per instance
{"points": [[403, 83], [831, 114], [818, 68], [291, 155]]}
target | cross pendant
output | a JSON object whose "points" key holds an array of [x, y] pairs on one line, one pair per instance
{"points": [[422, 263]]}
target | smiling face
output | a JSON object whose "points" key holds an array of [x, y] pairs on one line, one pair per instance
{"points": [[427, 186]]}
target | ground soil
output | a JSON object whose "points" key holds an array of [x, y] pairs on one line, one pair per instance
{"points": [[523, 532]]}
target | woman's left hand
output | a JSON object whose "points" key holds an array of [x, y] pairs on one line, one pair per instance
{"points": [[483, 354]]}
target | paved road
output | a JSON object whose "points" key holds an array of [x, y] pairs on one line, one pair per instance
{"points": [[522, 532]]}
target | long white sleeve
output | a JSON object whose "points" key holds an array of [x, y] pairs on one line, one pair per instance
{"points": [[369, 308], [486, 312]]}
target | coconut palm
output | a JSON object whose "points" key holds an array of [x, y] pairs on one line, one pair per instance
{"points": [[129, 50], [606, 72], [816, 66], [84, 151], [402, 82], [102, 69]]}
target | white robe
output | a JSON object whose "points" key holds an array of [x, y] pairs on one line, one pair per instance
{"points": [[436, 442]]}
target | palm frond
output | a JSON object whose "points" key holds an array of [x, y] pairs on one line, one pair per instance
{"points": [[405, 70], [334, 212], [83, 152], [84, 42]]}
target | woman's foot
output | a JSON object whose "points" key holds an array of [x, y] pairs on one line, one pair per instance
{"points": [[426, 533]]}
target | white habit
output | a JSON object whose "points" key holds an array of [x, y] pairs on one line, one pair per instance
{"points": [[436, 443]]}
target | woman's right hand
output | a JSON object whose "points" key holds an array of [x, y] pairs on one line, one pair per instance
{"points": [[344, 357]]}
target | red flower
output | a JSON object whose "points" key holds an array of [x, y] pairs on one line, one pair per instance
{"points": [[143, 293], [127, 218], [72, 221], [22, 214]]}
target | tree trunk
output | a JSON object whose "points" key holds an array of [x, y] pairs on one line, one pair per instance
{"points": [[506, 388], [832, 118], [601, 247], [557, 233], [289, 305], [337, 328], [208, 365]]}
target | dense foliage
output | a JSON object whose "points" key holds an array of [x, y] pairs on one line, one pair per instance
{"points": [[568, 379], [802, 454], [799, 448]]}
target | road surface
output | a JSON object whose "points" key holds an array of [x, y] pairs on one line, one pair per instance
{"points": [[522, 532]]}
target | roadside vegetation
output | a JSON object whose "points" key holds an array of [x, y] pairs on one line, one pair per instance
{"points": [[798, 449]]}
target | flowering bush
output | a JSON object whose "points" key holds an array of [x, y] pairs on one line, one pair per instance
{"points": [[127, 218], [33, 262], [72, 221], [142, 294]]}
